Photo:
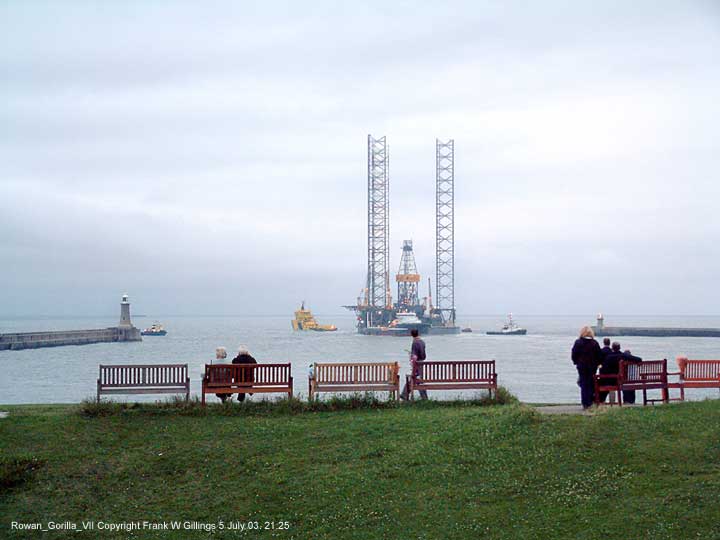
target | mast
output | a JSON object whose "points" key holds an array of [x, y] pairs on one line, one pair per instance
{"points": [[378, 226], [445, 230]]}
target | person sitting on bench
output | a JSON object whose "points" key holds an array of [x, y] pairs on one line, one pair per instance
{"points": [[244, 357], [220, 355], [611, 366]]}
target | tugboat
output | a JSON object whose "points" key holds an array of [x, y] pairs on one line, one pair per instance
{"points": [[509, 329], [156, 329], [304, 320]]}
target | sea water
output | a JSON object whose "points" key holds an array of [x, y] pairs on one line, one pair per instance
{"points": [[535, 367]]}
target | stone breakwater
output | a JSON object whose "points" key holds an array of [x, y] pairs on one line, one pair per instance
{"points": [[609, 331], [35, 340]]}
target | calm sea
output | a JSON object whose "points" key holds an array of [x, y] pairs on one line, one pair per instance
{"points": [[535, 367]]}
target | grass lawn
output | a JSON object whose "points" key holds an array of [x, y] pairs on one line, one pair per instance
{"points": [[413, 471]]}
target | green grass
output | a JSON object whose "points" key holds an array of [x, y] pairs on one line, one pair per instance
{"points": [[424, 470]]}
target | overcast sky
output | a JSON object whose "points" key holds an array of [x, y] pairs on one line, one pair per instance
{"points": [[211, 157]]}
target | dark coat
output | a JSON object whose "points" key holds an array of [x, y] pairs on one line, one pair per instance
{"points": [[586, 353], [418, 349], [611, 363], [246, 359]]}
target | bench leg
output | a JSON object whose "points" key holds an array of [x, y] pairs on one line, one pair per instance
{"points": [[202, 400], [98, 392]]}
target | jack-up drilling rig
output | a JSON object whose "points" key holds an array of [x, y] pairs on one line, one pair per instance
{"points": [[376, 313]]}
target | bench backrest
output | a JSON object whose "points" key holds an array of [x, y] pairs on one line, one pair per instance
{"points": [[646, 372], [357, 373], [259, 374], [147, 375], [457, 371], [700, 370]]}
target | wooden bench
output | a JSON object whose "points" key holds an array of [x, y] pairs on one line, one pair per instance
{"points": [[645, 375], [697, 374], [607, 382], [359, 376], [454, 375], [144, 379], [247, 379]]}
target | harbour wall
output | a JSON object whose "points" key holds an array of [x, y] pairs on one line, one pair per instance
{"points": [[609, 331], [36, 340]]}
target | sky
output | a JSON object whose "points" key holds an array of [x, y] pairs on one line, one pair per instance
{"points": [[211, 157]]}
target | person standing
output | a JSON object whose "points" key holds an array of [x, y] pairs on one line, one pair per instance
{"points": [[244, 357], [587, 356], [417, 354]]}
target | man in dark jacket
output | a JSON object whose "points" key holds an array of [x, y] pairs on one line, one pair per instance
{"points": [[611, 365], [244, 357], [586, 356], [628, 395], [417, 354], [606, 349]]}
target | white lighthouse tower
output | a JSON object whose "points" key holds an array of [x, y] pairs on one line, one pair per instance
{"points": [[125, 330], [125, 321]]}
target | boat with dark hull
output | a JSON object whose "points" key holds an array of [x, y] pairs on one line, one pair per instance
{"points": [[156, 329], [508, 329]]}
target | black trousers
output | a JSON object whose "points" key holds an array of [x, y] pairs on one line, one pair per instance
{"points": [[586, 380]]}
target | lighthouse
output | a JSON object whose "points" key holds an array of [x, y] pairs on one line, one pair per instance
{"points": [[125, 321]]}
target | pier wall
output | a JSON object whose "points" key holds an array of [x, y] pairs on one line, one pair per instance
{"points": [[609, 331], [35, 340]]}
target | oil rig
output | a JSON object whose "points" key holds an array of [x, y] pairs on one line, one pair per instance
{"points": [[375, 310]]}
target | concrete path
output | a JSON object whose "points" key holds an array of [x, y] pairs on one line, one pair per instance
{"points": [[560, 409]]}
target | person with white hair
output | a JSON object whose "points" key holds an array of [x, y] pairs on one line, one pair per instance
{"points": [[244, 357], [220, 355]]}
